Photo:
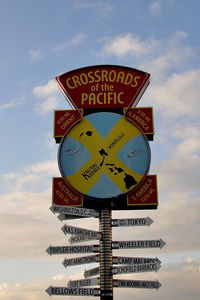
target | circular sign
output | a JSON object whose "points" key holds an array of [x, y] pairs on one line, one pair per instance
{"points": [[104, 156]]}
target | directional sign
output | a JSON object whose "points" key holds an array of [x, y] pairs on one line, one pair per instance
{"points": [[138, 244], [54, 290], [74, 211], [141, 284], [64, 120], [72, 249], [81, 231], [81, 238], [64, 194], [136, 268], [91, 272], [134, 260], [63, 217], [80, 260], [141, 116], [132, 222], [83, 282]]}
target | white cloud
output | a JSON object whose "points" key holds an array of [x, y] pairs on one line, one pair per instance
{"points": [[36, 55], [177, 283], [75, 41], [155, 8], [48, 95], [178, 96], [11, 104], [129, 44]]}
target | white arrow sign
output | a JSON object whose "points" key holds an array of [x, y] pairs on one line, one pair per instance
{"points": [[91, 272], [77, 211], [134, 260], [81, 231], [83, 282], [141, 284], [54, 290], [72, 249], [136, 268], [80, 260], [138, 244], [63, 217], [132, 222], [80, 238]]}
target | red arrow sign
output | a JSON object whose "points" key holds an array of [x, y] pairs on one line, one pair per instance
{"points": [[103, 86]]}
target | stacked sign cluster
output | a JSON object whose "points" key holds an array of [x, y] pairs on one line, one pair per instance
{"points": [[104, 159]]}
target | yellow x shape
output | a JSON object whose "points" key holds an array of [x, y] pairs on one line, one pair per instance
{"points": [[103, 155]]}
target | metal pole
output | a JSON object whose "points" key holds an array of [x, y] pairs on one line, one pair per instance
{"points": [[106, 277]]}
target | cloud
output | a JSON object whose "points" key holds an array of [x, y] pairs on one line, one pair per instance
{"points": [[178, 95], [11, 104], [101, 8], [158, 57], [177, 283], [155, 8], [36, 55], [75, 41], [129, 44], [48, 95]]}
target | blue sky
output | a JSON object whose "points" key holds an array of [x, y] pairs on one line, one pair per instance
{"points": [[43, 39]]}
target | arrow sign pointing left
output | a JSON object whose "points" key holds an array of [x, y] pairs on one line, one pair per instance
{"points": [[72, 249], [77, 211], [54, 290], [81, 231]]}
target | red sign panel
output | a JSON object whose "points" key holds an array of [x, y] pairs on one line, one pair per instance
{"points": [[64, 120], [144, 194], [143, 118], [104, 86], [63, 194]]}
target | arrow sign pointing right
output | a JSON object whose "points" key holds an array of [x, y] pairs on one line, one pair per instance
{"points": [[136, 268], [142, 284], [132, 222], [138, 244]]}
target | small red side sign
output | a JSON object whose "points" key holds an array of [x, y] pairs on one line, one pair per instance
{"points": [[64, 120], [63, 194], [104, 86], [144, 194]]}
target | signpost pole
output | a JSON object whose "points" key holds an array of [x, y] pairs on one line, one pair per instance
{"points": [[106, 277]]}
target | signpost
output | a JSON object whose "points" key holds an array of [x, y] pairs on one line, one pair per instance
{"points": [[81, 238], [65, 291], [141, 284], [72, 249], [138, 244], [83, 282], [81, 231], [140, 268], [75, 211], [132, 222], [91, 272], [122, 260], [80, 260], [104, 159]]}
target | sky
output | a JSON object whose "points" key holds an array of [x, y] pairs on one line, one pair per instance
{"points": [[43, 39]]}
